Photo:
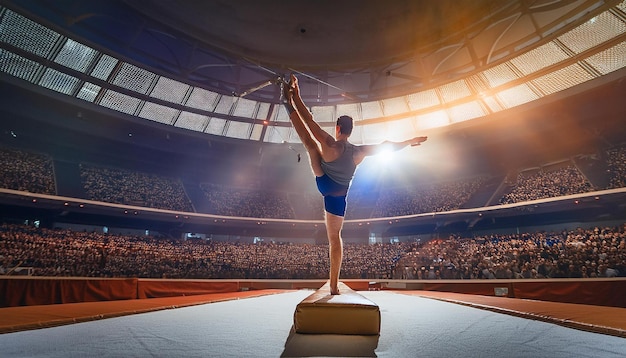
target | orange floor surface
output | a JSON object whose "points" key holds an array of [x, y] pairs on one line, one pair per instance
{"points": [[24, 318], [599, 319]]}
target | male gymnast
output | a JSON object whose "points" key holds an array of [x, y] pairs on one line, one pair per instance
{"points": [[333, 161]]}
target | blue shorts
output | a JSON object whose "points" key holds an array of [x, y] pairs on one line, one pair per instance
{"points": [[334, 195]]}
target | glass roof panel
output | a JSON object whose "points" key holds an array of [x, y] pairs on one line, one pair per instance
{"points": [[609, 60], [75, 56], [466, 111], [279, 134], [394, 106], [257, 130], [88, 92], [104, 67], [423, 99], [271, 136], [58, 81], [492, 103], [516, 96], [324, 114], [374, 133], [244, 108], [170, 90], [202, 99], [216, 126], [18, 66], [264, 111], [371, 109], [593, 32], [224, 104], [281, 114], [292, 136], [499, 75], [562, 79], [120, 102], [539, 58], [134, 78], [239, 130], [432, 120], [28, 35], [158, 113], [192, 121], [401, 129], [454, 90]]}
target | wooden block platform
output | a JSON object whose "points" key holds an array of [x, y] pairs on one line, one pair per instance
{"points": [[347, 313]]}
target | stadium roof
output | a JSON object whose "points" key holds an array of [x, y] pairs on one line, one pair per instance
{"points": [[398, 67]]}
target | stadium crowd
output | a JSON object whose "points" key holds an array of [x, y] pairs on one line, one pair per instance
{"points": [[616, 161], [26, 171], [548, 184], [32, 172], [247, 203], [89, 254], [426, 198], [594, 252], [114, 185]]}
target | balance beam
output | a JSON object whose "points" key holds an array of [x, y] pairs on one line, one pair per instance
{"points": [[347, 313]]}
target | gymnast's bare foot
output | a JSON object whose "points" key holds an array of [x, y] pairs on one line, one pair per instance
{"points": [[334, 291]]}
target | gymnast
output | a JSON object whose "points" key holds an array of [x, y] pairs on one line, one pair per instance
{"points": [[333, 161]]}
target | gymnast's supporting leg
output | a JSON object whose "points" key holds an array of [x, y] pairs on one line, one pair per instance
{"points": [[334, 223]]}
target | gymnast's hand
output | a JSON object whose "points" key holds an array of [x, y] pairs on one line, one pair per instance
{"points": [[417, 141]]}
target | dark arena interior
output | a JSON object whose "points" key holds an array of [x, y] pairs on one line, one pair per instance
{"points": [[156, 200]]}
